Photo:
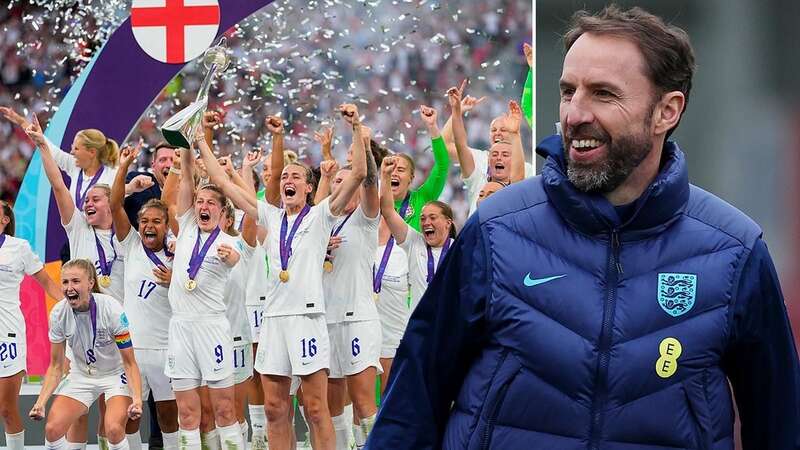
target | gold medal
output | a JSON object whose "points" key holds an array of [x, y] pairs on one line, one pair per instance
{"points": [[105, 281], [376, 296], [328, 266], [284, 276], [191, 285]]}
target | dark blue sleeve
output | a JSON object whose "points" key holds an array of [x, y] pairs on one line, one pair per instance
{"points": [[444, 335], [761, 360]]}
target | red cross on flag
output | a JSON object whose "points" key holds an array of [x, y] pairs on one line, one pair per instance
{"points": [[174, 31]]}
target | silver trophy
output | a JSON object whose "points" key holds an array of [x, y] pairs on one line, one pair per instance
{"points": [[180, 129]]}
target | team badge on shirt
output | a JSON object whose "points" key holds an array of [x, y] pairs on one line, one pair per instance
{"points": [[676, 292]]}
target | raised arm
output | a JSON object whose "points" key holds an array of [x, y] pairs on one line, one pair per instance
{"points": [[527, 90], [325, 139], [169, 194], [66, 206], [122, 226], [272, 191], [514, 119], [433, 186], [370, 202], [186, 184], [238, 196], [327, 169], [342, 196], [236, 178], [397, 226], [248, 164], [51, 380], [465, 159], [47, 283], [467, 103], [249, 230]]}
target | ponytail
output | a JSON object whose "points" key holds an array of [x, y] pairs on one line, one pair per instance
{"points": [[110, 155], [106, 149], [8, 211]]}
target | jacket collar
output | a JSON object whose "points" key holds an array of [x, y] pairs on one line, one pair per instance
{"points": [[660, 204]]}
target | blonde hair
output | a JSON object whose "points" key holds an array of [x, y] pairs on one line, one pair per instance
{"points": [[289, 157], [87, 267], [103, 187], [106, 148]]}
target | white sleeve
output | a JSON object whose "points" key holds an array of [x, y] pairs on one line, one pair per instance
{"points": [[64, 160], [75, 225], [474, 184], [30, 261], [481, 159], [327, 214], [413, 239], [56, 333], [245, 251], [186, 220], [118, 321], [265, 213], [130, 241]]}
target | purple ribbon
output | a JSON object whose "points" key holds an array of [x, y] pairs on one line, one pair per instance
{"points": [[2, 239], [105, 266], [198, 254], [377, 276], [93, 316], [79, 198], [153, 257], [286, 243], [335, 232], [431, 269]]}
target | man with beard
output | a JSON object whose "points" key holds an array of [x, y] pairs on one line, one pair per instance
{"points": [[160, 165], [608, 303]]}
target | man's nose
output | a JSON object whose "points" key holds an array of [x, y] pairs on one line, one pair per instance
{"points": [[578, 111]]}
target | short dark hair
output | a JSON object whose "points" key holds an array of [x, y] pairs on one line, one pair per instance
{"points": [[8, 211], [154, 203], [669, 60], [163, 144]]}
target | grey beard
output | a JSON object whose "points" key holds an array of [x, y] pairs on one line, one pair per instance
{"points": [[623, 157]]}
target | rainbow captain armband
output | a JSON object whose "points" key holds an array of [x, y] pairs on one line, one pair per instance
{"points": [[123, 340]]}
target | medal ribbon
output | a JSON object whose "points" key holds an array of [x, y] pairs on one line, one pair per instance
{"points": [[431, 269], [153, 257], [377, 276], [79, 198], [198, 254], [335, 232], [93, 318], [286, 243], [2, 239], [105, 266]]}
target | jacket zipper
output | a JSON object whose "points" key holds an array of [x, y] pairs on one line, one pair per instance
{"points": [[501, 395], [614, 269]]}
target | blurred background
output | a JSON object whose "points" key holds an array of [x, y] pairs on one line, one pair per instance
{"points": [[299, 59], [741, 129]]}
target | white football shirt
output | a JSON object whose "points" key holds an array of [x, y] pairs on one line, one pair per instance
{"points": [[303, 293], [393, 307], [235, 294], [348, 288], [417, 251], [16, 260], [146, 302], [92, 354], [82, 244], [212, 278]]}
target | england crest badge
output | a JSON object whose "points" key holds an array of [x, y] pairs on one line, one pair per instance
{"points": [[676, 292]]}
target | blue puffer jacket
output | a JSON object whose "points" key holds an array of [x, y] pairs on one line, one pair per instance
{"points": [[554, 324]]}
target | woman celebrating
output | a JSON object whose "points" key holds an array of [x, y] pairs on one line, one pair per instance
{"points": [[92, 159], [91, 323], [294, 319], [16, 260], [425, 250], [200, 343], [147, 279], [90, 232]]}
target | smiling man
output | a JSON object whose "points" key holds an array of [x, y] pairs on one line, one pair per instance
{"points": [[608, 304]]}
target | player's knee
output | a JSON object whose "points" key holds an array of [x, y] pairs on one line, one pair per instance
{"points": [[315, 410], [190, 417], [7, 411], [115, 432], [167, 415], [54, 431], [276, 410]]}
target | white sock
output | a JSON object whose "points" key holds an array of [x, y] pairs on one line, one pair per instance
{"points": [[189, 439], [340, 429], [244, 429], [258, 419], [172, 441], [60, 444], [16, 441], [366, 426], [210, 440], [121, 445], [231, 437], [135, 441], [76, 445], [358, 434], [102, 443]]}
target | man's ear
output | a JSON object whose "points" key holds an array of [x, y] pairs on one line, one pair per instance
{"points": [[668, 111]]}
